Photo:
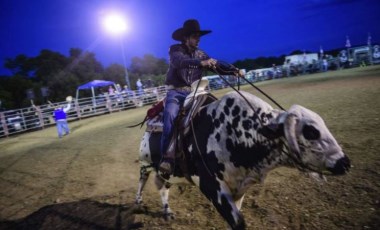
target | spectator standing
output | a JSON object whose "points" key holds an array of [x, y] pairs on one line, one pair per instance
{"points": [[111, 90], [60, 118], [325, 64], [127, 92], [118, 88], [139, 86], [149, 83], [274, 69]]}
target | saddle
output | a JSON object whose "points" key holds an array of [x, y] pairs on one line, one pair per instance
{"points": [[194, 102]]}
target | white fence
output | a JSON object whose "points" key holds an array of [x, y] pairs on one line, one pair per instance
{"points": [[39, 117]]}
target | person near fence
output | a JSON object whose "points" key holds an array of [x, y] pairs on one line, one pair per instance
{"points": [[187, 64], [111, 90], [127, 92], [325, 64], [60, 117], [139, 86]]}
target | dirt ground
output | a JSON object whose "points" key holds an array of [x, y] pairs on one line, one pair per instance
{"points": [[88, 180]]}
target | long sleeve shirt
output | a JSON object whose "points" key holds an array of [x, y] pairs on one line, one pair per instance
{"points": [[60, 113], [185, 66]]}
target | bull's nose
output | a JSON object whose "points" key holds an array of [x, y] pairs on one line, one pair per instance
{"points": [[341, 166]]}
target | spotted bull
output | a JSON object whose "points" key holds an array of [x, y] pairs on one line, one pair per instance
{"points": [[234, 142]]}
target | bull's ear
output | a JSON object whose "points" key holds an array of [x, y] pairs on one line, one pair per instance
{"points": [[275, 129], [272, 131]]}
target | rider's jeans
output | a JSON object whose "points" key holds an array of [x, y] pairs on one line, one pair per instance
{"points": [[174, 101]]}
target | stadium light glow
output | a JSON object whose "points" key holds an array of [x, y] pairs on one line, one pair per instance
{"points": [[115, 24]]}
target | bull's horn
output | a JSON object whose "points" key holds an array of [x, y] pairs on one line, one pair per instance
{"points": [[290, 133]]}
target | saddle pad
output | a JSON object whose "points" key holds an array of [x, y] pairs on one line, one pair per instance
{"points": [[155, 124]]}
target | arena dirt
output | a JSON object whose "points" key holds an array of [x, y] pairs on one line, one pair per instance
{"points": [[88, 180]]}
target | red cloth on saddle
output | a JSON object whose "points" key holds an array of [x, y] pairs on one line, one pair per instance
{"points": [[156, 109]]}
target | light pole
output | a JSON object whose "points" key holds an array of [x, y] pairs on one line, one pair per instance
{"points": [[125, 65], [321, 58], [348, 46], [116, 24], [369, 48]]}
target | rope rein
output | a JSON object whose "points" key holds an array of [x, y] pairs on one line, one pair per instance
{"points": [[249, 82], [296, 159], [218, 69], [195, 138]]}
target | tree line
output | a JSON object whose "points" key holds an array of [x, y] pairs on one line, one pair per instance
{"points": [[53, 76]]}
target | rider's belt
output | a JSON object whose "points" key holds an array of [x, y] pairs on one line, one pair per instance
{"points": [[183, 88]]}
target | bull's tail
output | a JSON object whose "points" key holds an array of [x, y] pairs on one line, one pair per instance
{"points": [[141, 123], [151, 113]]}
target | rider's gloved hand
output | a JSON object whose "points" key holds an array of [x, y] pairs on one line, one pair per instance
{"points": [[209, 63]]}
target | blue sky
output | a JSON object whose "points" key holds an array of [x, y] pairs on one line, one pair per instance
{"points": [[241, 29]]}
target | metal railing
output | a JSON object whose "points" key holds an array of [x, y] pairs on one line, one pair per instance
{"points": [[39, 117]]}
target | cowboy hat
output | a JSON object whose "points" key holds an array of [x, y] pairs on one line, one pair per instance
{"points": [[190, 26]]}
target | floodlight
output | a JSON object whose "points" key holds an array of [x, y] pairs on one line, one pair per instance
{"points": [[115, 24]]}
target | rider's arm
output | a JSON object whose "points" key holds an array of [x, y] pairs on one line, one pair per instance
{"points": [[180, 60], [67, 108]]}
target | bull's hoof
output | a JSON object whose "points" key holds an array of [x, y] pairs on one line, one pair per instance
{"points": [[169, 216], [138, 201]]}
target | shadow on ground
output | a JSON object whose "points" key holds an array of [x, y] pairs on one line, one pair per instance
{"points": [[85, 214]]}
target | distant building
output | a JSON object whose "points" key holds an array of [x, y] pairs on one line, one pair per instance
{"points": [[300, 59], [363, 55]]}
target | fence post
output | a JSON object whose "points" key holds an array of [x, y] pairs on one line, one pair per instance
{"points": [[108, 103], [40, 117], [77, 109], [4, 123]]}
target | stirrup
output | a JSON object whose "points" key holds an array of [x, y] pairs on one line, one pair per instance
{"points": [[166, 167]]}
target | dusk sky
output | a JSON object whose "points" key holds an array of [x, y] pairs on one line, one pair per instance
{"points": [[240, 29]]}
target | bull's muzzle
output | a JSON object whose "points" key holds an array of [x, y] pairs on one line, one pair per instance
{"points": [[341, 167]]}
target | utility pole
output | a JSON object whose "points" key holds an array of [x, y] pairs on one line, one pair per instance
{"points": [[369, 48]]}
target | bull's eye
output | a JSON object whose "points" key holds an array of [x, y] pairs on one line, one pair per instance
{"points": [[310, 132]]}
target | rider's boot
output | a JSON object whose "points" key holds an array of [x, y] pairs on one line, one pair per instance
{"points": [[167, 162]]}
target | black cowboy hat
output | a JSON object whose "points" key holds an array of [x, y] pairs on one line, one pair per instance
{"points": [[190, 26]]}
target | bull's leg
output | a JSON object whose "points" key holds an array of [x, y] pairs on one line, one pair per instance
{"points": [[144, 175], [219, 194], [163, 187]]}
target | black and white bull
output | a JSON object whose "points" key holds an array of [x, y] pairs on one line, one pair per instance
{"points": [[235, 142]]}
